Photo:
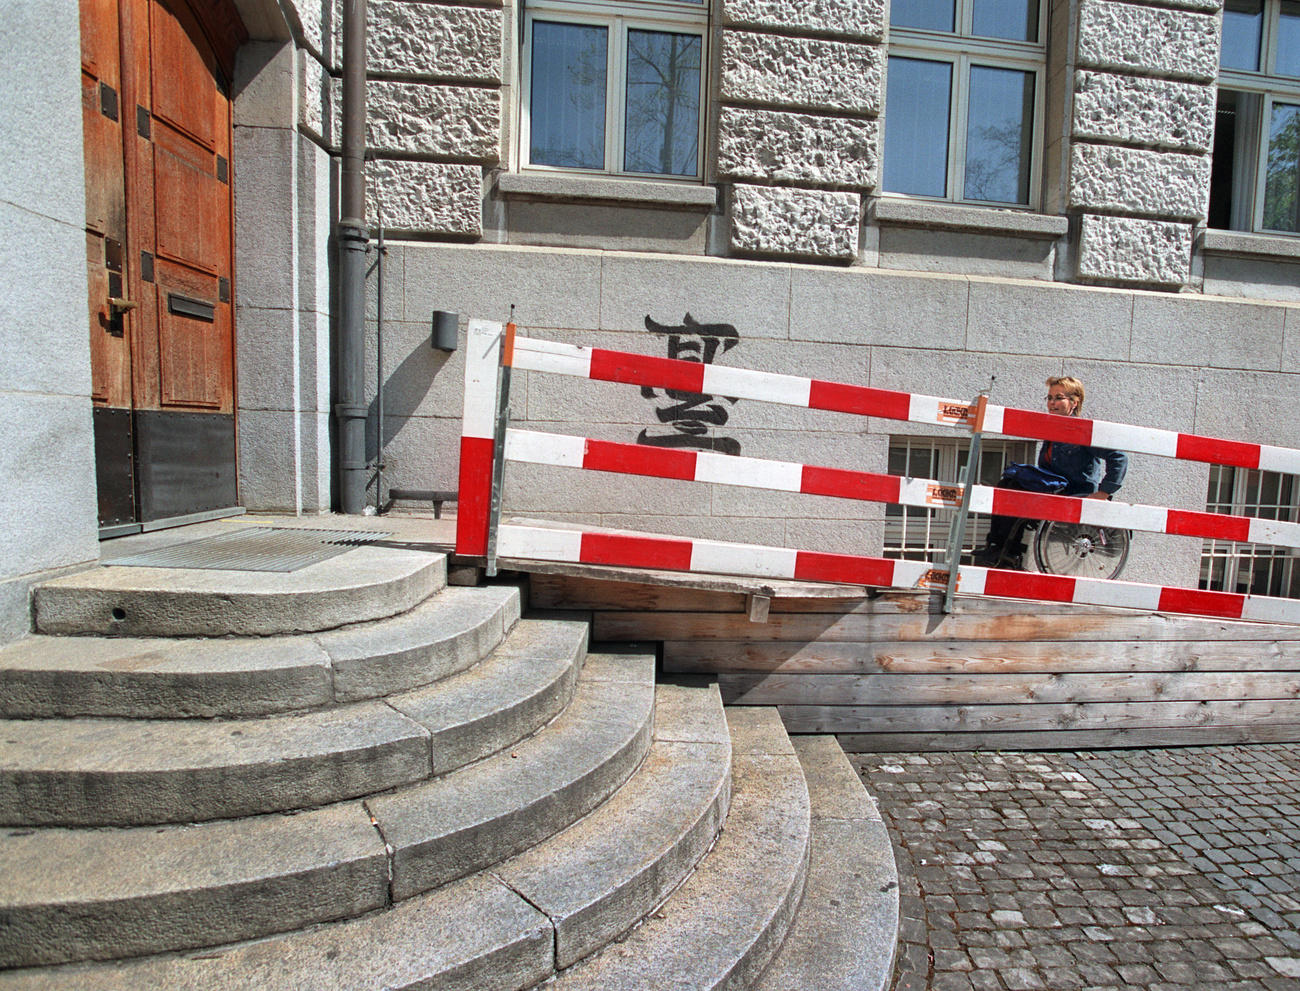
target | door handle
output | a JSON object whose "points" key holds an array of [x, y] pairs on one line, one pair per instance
{"points": [[119, 305]]}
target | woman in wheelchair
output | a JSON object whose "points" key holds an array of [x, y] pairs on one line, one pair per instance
{"points": [[1091, 472]]}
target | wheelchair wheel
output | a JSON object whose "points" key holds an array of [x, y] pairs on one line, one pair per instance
{"points": [[1080, 550]]}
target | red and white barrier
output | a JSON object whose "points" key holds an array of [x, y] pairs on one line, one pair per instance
{"points": [[720, 558], [567, 451], [792, 390], [484, 432]]}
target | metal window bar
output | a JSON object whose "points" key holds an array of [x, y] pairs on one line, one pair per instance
{"points": [[1258, 569]]}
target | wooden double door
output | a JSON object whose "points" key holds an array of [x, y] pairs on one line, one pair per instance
{"points": [[156, 115]]}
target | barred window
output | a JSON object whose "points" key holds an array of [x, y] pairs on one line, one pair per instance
{"points": [[1254, 569], [919, 534]]}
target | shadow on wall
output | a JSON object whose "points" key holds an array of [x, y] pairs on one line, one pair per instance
{"points": [[405, 388]]}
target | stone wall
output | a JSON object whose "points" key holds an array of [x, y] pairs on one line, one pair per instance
{"points": [[798, 126], [1139, 173]]}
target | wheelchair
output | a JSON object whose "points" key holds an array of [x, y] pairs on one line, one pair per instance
{"points": [[1078, 550]]}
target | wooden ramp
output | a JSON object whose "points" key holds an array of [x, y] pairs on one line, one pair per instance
{"points": [[892, 672]]}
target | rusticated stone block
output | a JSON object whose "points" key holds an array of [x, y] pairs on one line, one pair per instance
{"points": [[1179, 44], [426, 197], [417, 118], [778, 146], [852, 18], [1158, 183], [1134, 110], [316, 92], [317, 18], [428, 39], [1126, 249], [801, 72], [812, 223]]}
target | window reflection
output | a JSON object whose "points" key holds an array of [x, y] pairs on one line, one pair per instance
{"points": [[1288, 40], [568, 95], [1282, 185], [927, 15], [1015, 20], [998, 129], [916, 127], [663, 103], [1243, 28]]}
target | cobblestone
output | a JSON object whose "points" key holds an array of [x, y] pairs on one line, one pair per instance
{"points": [[1161, 870]]}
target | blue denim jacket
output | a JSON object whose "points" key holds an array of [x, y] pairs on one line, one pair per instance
{"points": [[1089, 469]]}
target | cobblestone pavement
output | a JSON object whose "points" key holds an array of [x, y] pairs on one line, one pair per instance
{"points": [[1153, 869]]}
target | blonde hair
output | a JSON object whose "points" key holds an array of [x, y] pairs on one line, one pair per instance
{"points": [[1072, 386]]}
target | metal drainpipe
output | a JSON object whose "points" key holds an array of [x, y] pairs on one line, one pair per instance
{"points": [[350, 409]]}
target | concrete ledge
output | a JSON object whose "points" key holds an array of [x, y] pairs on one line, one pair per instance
{"points": [[626, 192], [1242, 244], [983, 220]]}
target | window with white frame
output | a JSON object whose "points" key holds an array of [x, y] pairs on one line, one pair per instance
{"points": [[918, 534], [614, 87], [1255, 182], [1253, 569], [964, 100]]}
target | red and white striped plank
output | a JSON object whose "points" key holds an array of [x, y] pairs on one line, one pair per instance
{"points": [[640, 550], [792, 390], [568, 451], [477, 438]]}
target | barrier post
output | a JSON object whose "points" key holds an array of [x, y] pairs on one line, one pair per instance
{"points": [[507, 360], [478, 444], [957, 533]]}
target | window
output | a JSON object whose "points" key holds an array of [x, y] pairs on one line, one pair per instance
{"points": [[614, 87], [918, 534], [1252, 568], [1255, 182], [964, 100]]}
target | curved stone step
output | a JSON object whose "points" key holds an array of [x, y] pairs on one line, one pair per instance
{"points": [[452, 826], [602, 875], [166, 678], [69, 894], [592, 880], [362, 584], [92, 772], [723, 925], [476, 934], [846, 932]]}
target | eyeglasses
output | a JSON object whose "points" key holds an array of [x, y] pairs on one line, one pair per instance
{"points": [[1057, 399]]}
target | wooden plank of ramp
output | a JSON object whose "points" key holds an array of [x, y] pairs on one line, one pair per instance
{"points": [[1077, 625], [1160, 736], [993, 657], [1019, 718], [988, 689]]}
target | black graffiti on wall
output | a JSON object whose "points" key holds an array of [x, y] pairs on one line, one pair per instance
{"points": [[691, 418]]}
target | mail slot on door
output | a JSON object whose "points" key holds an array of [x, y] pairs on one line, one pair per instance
{"points": [[186, 307]]}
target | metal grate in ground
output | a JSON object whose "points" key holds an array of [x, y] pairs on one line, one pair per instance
{"points": [[253, 549]]}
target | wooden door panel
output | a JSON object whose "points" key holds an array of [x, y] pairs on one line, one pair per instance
{"points": [[190, 228], [177, 65], [101, 115], [194, 340]]}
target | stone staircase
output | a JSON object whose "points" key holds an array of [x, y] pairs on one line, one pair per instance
{"points": [[355, 776]]}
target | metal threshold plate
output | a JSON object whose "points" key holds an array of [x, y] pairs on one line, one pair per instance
{"points": [[254, 549]]}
